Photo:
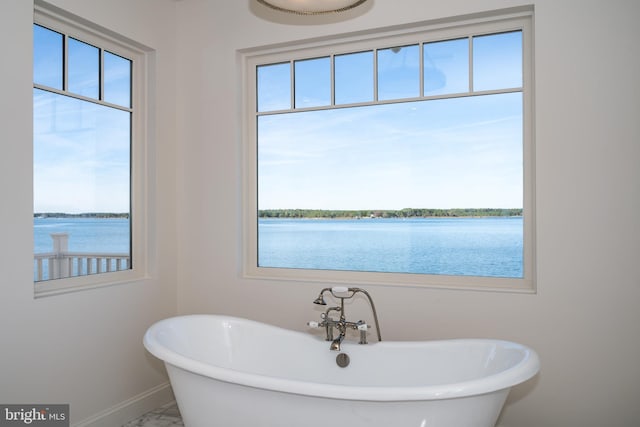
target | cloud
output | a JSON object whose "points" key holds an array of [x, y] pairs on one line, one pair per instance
{"points": [[81, 156], [464, 152]]}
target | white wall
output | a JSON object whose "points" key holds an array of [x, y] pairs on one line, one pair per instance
{"points": [[584, 321], [82, 348]]}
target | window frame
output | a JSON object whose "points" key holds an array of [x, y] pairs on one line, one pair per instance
{"points": [[462, 27], [78, 28]]}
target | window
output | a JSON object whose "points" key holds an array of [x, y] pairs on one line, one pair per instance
{"points": [[88, 142], [401, 157]]}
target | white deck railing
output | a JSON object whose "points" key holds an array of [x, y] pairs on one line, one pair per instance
{"points": [[61, 263]]}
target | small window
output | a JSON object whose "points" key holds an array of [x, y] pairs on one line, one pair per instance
{"points": [[85, 111], [403, 158]]}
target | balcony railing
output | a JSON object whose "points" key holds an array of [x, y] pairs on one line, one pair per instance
{"points": [[60, 263]]}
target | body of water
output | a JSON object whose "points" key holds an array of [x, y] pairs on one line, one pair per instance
{"points": [[106, 235], [489, 247]]}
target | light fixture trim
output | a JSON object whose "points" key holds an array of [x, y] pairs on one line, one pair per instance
{"points": [[311, 7]]}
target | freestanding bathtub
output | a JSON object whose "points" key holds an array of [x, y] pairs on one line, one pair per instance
{"points": [[228, 372]]}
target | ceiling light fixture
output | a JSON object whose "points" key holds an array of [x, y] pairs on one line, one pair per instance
{"points": [[311, 7]]}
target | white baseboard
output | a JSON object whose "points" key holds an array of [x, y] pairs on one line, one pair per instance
{"points": [[131, 408]]}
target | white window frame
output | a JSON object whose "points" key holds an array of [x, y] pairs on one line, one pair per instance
{"points": [[489, 23], [73, 26]]}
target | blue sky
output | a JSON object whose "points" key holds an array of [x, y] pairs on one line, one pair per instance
{"points": [[81, 149], [81, 156], [449, 153], [462, 152], [453, 153]]}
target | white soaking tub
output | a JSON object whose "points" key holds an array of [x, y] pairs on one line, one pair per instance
{"points": [[230, 372]]}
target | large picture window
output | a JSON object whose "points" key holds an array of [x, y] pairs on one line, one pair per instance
{"points": [[86, 107], [396, 158]]}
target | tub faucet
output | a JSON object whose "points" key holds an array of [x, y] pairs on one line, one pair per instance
{"points": [[335, 344], [342, 324], [329, 323]]}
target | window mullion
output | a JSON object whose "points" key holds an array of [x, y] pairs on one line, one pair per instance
{"points": [[82, 97], [293, 84], [375, 75], [65, 63], [333, 79], [421, 68], [101, 74], [470, 38]]}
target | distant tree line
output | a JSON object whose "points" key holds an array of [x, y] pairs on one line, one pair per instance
{"points": [[402, 213], [81, 215]]}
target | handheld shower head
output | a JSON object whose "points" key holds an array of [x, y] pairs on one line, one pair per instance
{"points": [[320, 300]]}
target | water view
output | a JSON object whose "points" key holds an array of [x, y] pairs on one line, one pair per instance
{"points": [[87, 237], [489, 247], [85, 234]]}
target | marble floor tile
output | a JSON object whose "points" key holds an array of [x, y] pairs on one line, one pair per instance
{"points": [[165, 416]]}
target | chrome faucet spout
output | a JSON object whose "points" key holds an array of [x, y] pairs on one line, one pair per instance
{"points": [[335, 344]]}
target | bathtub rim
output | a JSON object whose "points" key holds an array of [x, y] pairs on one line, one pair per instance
{"points": [[522, 371]]}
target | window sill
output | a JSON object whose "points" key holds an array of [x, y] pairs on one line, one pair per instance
{"points": [[333, 277], [82, 283]]}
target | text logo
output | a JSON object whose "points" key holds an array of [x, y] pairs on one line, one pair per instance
{"points": [[34, 415]]}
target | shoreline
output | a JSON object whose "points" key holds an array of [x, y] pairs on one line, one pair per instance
{"points": [[390, 213], [98, 215], [396, 218]]}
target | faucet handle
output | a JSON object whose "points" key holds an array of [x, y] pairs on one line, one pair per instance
{"points": [[363, 328], [313, 324], [340, 291]]}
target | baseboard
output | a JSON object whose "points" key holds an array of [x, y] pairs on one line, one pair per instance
{"points": [[131, 408]]}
